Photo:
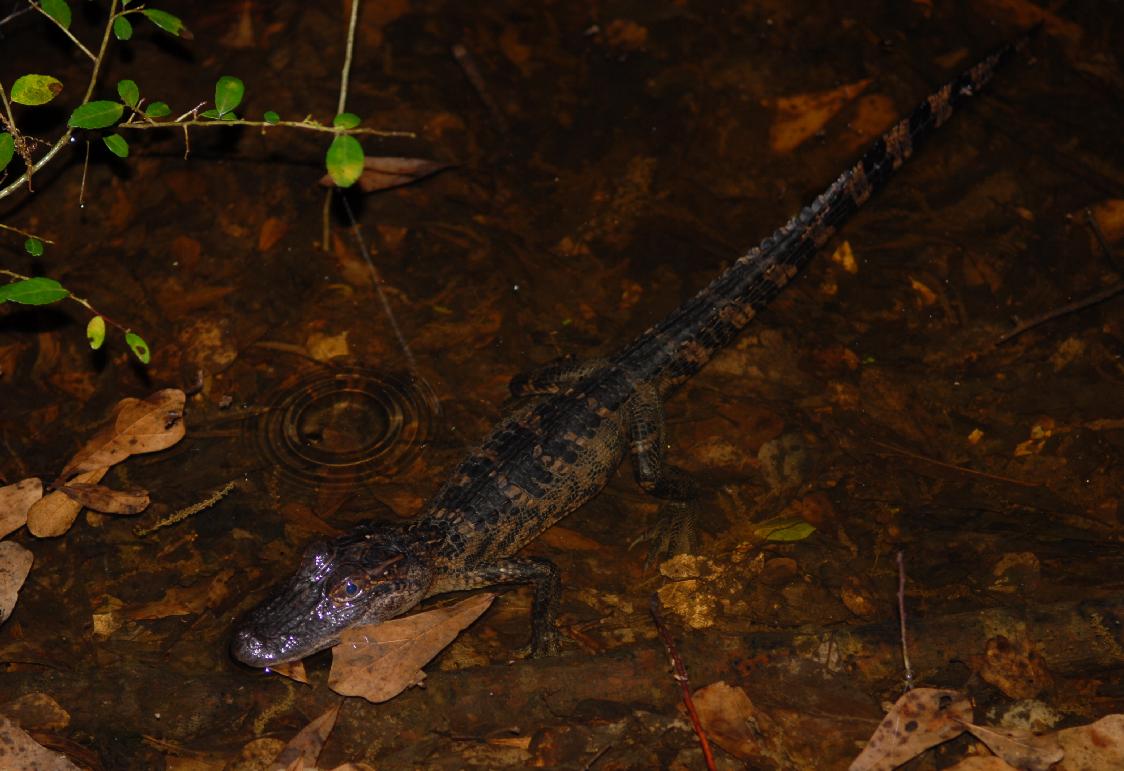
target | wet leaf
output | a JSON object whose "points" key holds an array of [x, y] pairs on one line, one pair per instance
{"points": [[920, 719], [35, 89], [96, 115], [117, 145], [387, 172], [54, 513], [346, 120], [228, 94], [128, 91], [19, 752], [157, 110], [800, 116], [7, 149], [139, 347], [167, 22], [783, 529], [294, 670], [305, 747], [344, 160], [380, 661], [58, 10], [33, 291], [15, 563], [209, 592], [122, 28], [141, 425], [95, 332], [731, 719], [1092, 747], [15, 500], [1021, 749], [34, 247], [106, 499]]}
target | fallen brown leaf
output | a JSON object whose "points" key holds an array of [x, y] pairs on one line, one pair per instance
{"points": [[37, 711], [1022, 749], [380, 661], [1016, 668], [303, 749], [920, 719], [15, 500], [1093, 747], [294, 670], [106, 499], [15, 563], [19, 752], [800, 116], [388, 172], [185, 600], [141, 425], [734, 723], [55, 512]]}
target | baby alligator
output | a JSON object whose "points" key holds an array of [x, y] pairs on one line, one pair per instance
{"points": [[559, 450]]}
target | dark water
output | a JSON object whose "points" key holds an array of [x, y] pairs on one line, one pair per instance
{"points": [[610, 159]]}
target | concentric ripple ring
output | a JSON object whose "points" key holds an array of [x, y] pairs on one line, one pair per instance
{"points": [[345, 426]]}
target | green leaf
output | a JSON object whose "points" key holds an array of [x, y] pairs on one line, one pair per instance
{"points": [[33, 246], [122, 28], [129, 92], [228, 94], [7, 149], [167, 22], [95, 332], [117, 145], [96, 115], [271, 117], [57, 10], [211, 114], [139, 346], [346, 120], [157, 110], [783, 529], [33, 291], [35, 89], [345, 160]]}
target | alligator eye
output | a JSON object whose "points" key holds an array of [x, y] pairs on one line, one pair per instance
{"points": [[350, 589]]}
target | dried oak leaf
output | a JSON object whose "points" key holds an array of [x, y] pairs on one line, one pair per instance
{"points": [[1093, 747], [1022, 749], [920, 719], [387, 172], [294, 670], [141, 425], [15, 563], [303, 749], [19, 752], [15, 500], [106, 499], [734, 723], [185, 600], [380, 661], [55, 512]]}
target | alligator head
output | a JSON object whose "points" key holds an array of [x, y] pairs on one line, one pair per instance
{"points": [[364, 577]]}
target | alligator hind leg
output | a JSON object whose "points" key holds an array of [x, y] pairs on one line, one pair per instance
{"points": [[541, 574], [676, 532], [554, 376]]}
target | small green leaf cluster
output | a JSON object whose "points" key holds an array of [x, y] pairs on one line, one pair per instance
{"points": [[41, 290]]}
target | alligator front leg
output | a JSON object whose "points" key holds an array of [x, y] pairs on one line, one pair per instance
{"points": [[676, 532], [543, 577]]}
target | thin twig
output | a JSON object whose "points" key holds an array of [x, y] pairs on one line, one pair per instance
{"points": [[961, 469], [307, 125], [67, 32], [901, 619], [341, 105], [1095, 226], [681, 678], [411, 361], [1076, 305], [25, 233]]}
